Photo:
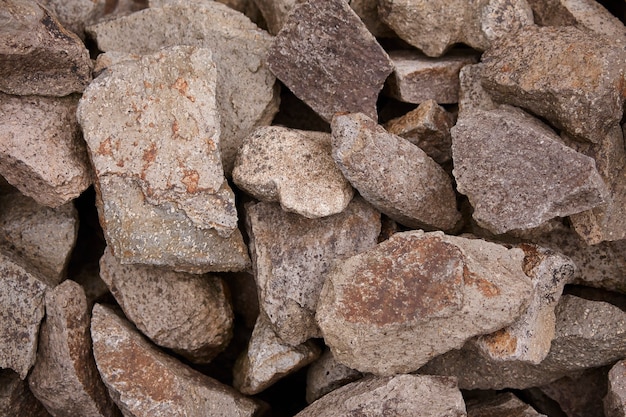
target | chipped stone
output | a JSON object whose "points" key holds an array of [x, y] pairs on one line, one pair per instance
{"points": [[326, 375], [16, 399], [615, 400], [472, 95], [501, 405]]}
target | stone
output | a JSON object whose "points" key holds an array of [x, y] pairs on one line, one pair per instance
{"points": [[417, 78], [392, 174], [294, 168], [37, 54], [502, 405], [428, 126], [16, 399], [320, 53], [393, 396], [572, 78], [418, 295], [291, 257], [189, 314], [551, 13], [246, 93], [41, 151], [472, 95], [615, 400], [367, 10], [65, 378], [326, 375], [244, 296], [509, 184], [144, 381], [268, 359], [74, 15], [434, 27]]}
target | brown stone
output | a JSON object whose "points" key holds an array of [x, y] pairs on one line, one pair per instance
{"points": [[579, 394], [74, 15], [326, 375], [16, 399], [472, 95], [244, 297], [615, 400], [502, 405]]}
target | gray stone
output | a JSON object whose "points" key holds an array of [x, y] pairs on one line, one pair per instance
{"points": [[41, 151], [292, 167], [397, 396], [502, 405], [326, 375], [434, 27], [292, 255], [145, 382], [189, 314], [395, 176], [417, 295], [37, 54], [16, 399], [320, 54], [65, 378], [472, 95], [508, 182], [615, 400], [74, 15]]}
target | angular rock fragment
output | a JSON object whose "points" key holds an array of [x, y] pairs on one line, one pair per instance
{"points": [[320, 54], [41, 151], [417, 78], [573, 78], [268, 359], [615, 400], [418, 295], [508, 182], [294, 168], [472, 95], [395, 176], [244, 297], [65, 378], [37, 54], [16, 399], [502, 405], [74, 15], [397, 396], [326, 375], [189, 314], [292, 255], [434, 27], [144, 381]]}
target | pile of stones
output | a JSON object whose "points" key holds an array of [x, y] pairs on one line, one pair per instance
{"points": [[318, 207]]}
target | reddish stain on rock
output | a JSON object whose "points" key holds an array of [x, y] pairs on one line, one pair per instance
{"points": [[190, 179], [105, 147], [501, 342], [488, 289]]}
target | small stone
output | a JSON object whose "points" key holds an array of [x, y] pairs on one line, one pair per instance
{"points": [[320, 54], [16, 399], [394, 396], [428, 126], [292, 167], [37, 54], [551, 13], [65, 378], [189, 314], [392, 174], [508, 182], [268, 359], [41, 150], [244, 297], [326, 375], [418, 295], [292, 255], [579, 394], [145, 382], [74, 15], [434, 27], [472, 95], [615, 400], [502, 405]]}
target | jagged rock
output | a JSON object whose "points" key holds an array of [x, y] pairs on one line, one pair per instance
{"points": [[428, 126], [320, 54], [502, 405], [268, 359], [326, 375], [189, 314], [472, 95], [573, 78], [292, 255], [615, 400], [367, 10], [508, 182], [247, 7], [65, 378], [144, 381], [74, 15], [434, 27], [418, 295], [41, 151], [292, 167], [246, 92], [397, 396], [395, 176], [417, 78], [16, 399]]}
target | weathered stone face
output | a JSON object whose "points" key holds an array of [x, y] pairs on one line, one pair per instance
{"points": [[16, 398], [326, 375], [615, 400], [501, 405]]}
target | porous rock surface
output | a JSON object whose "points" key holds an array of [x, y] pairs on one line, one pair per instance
{"points": [[615, 400]]}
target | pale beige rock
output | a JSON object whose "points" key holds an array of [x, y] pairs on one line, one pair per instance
{"points": [[16, 399], [74, 15], [502, 405], [41, 151], [326, 375], [294, 168], [615, 400], [472, 95]]}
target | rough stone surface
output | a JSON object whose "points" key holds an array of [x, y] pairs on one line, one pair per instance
{"points": [[395, 176], [65, 378], [615, 400], [292, 255], [418, 295], [74, 15], [511, 185], [417, 78], [397, 396], [502, 405], [428, 126], [16, 399], [573, 78], [320, 54], [326, 375], [472, 95], [434, 27], [244, 297], [41, 151], [189, 314], [292, 167], [268, 359], [143, 381], [37, 54]]}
